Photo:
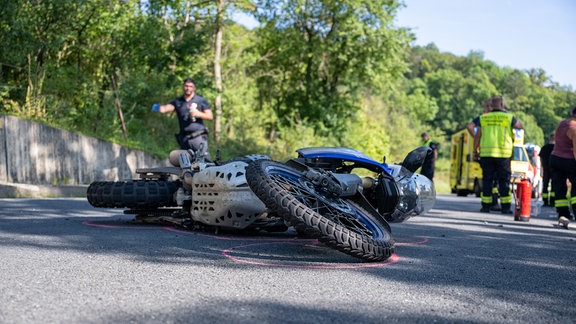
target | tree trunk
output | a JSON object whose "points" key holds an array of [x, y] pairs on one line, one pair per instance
{"points": [[218, 73], [119, 106]]}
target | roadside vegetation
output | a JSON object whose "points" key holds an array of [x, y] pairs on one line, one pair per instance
{"points": [[313, 73]]}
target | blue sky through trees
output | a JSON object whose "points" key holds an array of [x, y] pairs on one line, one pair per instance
{"points": [[521, 34]]}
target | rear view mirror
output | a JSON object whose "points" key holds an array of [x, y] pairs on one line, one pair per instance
{"points": [[416, 157]]}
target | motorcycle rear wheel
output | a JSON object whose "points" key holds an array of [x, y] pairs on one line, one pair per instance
{"points": [[344, 224], [141, 194]]}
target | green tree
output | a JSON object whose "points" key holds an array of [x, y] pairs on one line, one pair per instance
{"points": [[318, 57]]}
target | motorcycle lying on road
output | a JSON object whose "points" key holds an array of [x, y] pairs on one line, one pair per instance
{"points": [[340, 196]]}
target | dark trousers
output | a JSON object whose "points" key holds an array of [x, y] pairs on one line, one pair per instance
{"points": [[546, 178], [195, 143], [496, 169], [562, 170], [428, 172]]}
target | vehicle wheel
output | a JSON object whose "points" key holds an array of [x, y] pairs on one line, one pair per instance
{"points": [[343, 224], [462, 193], [132, 194]]}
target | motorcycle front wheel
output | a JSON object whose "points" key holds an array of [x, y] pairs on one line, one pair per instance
{"points": [[344, 224]]}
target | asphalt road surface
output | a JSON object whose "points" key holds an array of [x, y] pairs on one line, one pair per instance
{"points": [[63, 261]]}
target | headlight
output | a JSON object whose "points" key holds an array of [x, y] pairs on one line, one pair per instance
{"points": [[417, 196]]}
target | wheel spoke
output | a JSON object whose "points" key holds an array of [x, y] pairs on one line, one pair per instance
{"points": [[311, 199], [348, 225]]}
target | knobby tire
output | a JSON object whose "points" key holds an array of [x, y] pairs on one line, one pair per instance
{"points": [[139, 194], [343, 224]]}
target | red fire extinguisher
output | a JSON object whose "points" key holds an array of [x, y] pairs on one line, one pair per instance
{"points": [[523, 197]]}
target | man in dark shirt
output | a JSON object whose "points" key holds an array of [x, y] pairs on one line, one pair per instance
{"points": [[192, 110]]}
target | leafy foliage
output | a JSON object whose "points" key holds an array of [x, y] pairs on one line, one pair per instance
{"points": [[315, 72], [319, 56]]}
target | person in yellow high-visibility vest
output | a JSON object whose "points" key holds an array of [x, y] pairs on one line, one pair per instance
{"points": [[495, 140], [472, 127]]}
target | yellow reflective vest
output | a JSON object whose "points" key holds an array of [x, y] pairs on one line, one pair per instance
{"points": [[497, 135]]}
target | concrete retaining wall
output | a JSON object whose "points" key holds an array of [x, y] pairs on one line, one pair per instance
{"points": [[34, 153]]}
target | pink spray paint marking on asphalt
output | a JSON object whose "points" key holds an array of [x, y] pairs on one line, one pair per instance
{"points": [[229, 252]]}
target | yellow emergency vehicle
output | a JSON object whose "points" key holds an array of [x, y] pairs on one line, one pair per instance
{"points": [[466, 174]]}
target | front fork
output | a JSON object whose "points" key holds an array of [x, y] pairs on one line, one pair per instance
{"points": [[342, 185]]}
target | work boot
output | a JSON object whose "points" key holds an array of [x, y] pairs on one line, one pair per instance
{"points": [[485, 208], [495, 207], [564, 222]]}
